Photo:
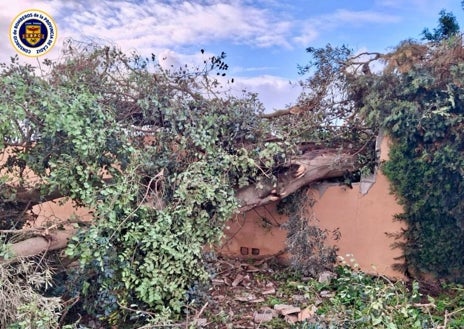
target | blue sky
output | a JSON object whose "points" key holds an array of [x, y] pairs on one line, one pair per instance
{"points": [[264, 40]]}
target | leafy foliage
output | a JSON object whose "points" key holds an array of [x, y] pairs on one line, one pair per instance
{"points": [[176, 192], [447, 27], [157, 154], [327, 115], [424, 118], [417, 98]]}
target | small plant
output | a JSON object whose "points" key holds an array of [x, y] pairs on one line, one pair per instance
{"points": [[305, 239], [364, 301]]}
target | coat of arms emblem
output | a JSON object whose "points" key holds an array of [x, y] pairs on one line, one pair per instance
{"points": [[33, 33]]}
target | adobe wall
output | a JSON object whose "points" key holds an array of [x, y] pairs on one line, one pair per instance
{"points": [[363, 215]]}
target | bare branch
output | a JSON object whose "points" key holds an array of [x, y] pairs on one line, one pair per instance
{"points": [[39, 244], [279, 113]]}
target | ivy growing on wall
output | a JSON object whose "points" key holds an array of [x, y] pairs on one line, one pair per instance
{"points": [[423, 111]]}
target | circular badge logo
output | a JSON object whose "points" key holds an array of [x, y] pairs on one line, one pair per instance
{"points": [[33, 33]]}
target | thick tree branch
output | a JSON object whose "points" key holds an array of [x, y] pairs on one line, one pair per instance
{"points": [[34, 196], [36, 245], [300, 171]]}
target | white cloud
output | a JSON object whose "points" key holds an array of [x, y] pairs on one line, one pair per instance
{"points": [[241, 69], [163, 27], [275, 92], [155, 24], [312, 28], [308, 34], [417, 4], [343, 17], [175, 24]]}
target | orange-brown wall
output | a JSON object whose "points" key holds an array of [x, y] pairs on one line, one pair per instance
{"points": [[364, 221], [47, 212], [59, 211], [260, 228]]}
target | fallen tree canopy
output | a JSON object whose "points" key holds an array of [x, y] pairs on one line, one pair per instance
{"points": [[301, 171], [184, 154], [182, 157]]}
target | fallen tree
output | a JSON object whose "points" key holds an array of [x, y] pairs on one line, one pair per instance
{"points": [[301, 171], [182, 158]]}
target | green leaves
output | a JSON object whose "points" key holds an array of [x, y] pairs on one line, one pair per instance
{"points": [[417, 98], [425, 121], [363, 301], [155, 154], [447, 28]]}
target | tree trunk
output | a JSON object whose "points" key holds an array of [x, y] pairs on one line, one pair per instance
{"points": [[300, 171], [36, 245]]}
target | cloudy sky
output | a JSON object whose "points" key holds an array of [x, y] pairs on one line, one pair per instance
{"points": [[264, 40]]}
